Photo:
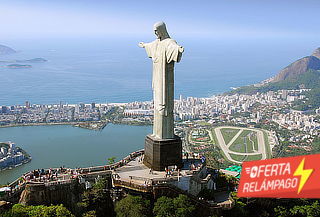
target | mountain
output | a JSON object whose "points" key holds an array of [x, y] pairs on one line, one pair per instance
{"points": [[309, 79], [303, 73], [6, 50], [316, 53], [299, 67]]}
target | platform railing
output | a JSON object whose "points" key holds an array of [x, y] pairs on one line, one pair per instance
{"points": [[21, 181]]}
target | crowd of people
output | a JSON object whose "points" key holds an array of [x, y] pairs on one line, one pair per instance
{"points": [[62, 173], [44, 175]]}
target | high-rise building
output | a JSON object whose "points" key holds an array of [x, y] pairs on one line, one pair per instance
{"points": [[82, 106], [4, 109], [93, 105], [27, 104]]}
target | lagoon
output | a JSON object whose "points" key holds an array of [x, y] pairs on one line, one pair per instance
{"points": [[64, 145]]}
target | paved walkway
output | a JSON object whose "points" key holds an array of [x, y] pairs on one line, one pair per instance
{"points": [[135, 171]]}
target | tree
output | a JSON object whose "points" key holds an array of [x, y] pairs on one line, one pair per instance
{"points": [[91, 213], [101, 184], [177, 207], [183, 206], [111, 160], [239, 208], [133, 206], [164, 207], [207, 194], [309, 210], [19, 210], [97, 199]]}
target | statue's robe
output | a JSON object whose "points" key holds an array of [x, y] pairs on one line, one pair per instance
{"points": [[164, 54]]}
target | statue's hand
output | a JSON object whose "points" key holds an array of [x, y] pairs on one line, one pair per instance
{"points": [[141, 44], [181, 49]]}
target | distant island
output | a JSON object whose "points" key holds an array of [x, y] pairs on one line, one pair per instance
{"points": [[16, 63], [34, 60], [12, 156], [18, 66], [6, 50]]}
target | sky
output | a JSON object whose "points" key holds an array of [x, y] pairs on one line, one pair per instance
{"points": [[194, 19]]}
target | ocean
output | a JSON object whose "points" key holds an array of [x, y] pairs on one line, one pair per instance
{"points": [[117, 70]]}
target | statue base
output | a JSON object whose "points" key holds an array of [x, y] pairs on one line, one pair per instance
{"points": [[161, 153]]}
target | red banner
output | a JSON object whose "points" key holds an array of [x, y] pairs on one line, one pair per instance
{"points": [[291, 177]]}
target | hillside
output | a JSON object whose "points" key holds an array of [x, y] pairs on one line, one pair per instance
{"points": [[303, 73], [297, 68], [6, 50], [309, 80]]}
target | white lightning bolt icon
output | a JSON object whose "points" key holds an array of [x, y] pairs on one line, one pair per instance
{"points": [[305, 174]]}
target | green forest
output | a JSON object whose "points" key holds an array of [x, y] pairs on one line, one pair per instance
{"points": [[308, 80]]}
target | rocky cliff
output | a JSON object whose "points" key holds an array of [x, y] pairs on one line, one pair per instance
{"points": [[299, 67], [40, 194], [316, 53]]}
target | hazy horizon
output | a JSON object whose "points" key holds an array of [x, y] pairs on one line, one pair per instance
{"points": [[206, 19], [105, 70]]}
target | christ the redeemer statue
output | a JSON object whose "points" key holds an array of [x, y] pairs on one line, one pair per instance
{"points": [[164, 52]]}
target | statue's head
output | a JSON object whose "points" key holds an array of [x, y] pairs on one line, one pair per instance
{"points": [[160, 30]]}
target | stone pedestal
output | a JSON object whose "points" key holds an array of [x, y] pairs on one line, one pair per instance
{"points": [[161, 153]]}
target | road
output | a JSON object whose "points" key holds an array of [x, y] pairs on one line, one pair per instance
{"points": [[225, 147]]}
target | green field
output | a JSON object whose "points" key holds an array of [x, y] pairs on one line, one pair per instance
{"points": [[238, 157], [255, 140], [253, 157], [246, 157], [266, 141], [246, 142], [228, 134], [214, 139]]}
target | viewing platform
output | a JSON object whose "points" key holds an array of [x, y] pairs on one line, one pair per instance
{"points": [[138, 176], [129, 173], [59, 176]]}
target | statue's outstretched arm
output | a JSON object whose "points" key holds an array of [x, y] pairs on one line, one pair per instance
{"points": [[141, 44]]}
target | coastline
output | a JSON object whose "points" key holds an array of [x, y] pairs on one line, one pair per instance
{"points": [[15, 166], [49, 124], [79, 124], [12, 156]]}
